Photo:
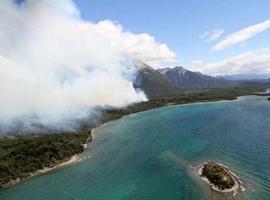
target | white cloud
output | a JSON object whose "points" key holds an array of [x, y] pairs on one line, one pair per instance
{"points": [[142, 46], [54, 66], [252, 62], [241, 35], [212, 35]]}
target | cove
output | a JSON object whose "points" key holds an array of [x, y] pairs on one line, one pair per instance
{"points": [[128, 158]]}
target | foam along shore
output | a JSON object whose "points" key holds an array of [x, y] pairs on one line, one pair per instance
{"points": [[237, 183]]}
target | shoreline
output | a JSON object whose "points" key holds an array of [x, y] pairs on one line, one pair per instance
{"points": [[238, 184], [62, 163], [209, 102], [76, 158]]}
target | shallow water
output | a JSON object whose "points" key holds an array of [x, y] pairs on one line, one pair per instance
{"points": [[148, 155]]}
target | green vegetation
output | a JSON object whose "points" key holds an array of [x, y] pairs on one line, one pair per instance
{"points": [[218, 176], [25, 154], [187, 97]]}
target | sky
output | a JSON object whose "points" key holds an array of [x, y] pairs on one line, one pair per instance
{"points": [[57, 68], [211, 36], [63, 60]]}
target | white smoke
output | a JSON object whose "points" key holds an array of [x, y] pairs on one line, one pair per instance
{"points": [[55, 67]]}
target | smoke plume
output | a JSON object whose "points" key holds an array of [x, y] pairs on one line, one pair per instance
{"points": [[56, 67]]}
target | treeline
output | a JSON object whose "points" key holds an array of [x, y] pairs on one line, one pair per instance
{"points": [[218, 176], [24, 154], [187, 97]]}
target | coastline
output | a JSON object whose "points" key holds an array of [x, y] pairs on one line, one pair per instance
{"points": [[76, 158], [100, 126], [210, 101], [62, 163], [234, 190]]}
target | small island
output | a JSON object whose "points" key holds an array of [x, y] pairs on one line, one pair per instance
{"points": [[219, 177]]}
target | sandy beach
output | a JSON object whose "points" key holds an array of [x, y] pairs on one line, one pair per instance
{"points": [[74, 159]]}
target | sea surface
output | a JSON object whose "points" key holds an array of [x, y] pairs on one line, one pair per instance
{"points": [[151, 155]]}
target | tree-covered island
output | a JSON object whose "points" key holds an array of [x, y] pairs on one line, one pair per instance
{"points": [[219, 177]]}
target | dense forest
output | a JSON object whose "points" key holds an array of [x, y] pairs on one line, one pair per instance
{"points": [[218, 176], [23, 154], [187, 97]]}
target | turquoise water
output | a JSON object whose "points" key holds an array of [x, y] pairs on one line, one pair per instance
{"points": [[147, 156]]}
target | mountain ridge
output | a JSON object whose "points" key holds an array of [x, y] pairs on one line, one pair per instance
{"points": [[153, 83], [173, 81], [187, 79]]}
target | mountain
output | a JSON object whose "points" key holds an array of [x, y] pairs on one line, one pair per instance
{"points": [[183, 78], [152, 82], [246, 77]]}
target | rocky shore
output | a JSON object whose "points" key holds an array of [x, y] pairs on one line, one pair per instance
{"points": [[220, 178]]}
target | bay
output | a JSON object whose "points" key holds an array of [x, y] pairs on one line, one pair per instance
{"points": [[131, 158]]}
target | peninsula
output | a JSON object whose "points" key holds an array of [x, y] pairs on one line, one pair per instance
{"points": [[26, 154]]}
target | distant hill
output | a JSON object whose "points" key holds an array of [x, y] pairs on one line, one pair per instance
{"points": [[186, 79], [241, 77], [153, 83], [174, 81]]}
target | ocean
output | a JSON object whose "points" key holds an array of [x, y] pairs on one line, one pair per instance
{"points": [[151, 155]]}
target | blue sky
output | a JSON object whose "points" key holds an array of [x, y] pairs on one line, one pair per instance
{"points": [[181, 24], [84, 50]]}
